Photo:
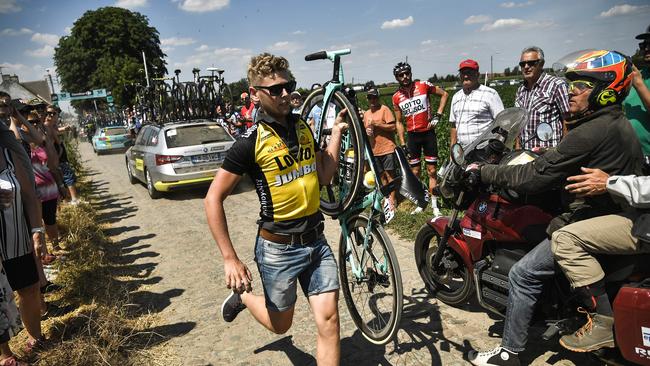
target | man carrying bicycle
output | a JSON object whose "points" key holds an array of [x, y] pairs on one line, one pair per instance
{"points": [[411, 101], [280, 155]]}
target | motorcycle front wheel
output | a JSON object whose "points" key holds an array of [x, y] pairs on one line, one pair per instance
{"points": [[452, 283]]}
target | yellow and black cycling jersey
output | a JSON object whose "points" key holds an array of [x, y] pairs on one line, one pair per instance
{"points": [[282, 164]]}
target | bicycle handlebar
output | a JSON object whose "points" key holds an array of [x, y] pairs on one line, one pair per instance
{"points": [[320, 55]]}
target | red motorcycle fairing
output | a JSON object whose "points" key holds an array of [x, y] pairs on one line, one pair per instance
{"points": [[454, 242], [492, 218]]}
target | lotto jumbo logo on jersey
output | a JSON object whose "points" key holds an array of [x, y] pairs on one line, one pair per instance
{"points": [[281, 179], [413, 106]]}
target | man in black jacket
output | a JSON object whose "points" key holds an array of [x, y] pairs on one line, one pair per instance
{"points": [[599, 136]]}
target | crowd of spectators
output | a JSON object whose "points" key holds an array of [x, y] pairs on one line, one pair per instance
{"points": [[35, 176]]}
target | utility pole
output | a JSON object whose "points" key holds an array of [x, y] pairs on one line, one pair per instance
{"points": [[49, 76], [146, 71]]}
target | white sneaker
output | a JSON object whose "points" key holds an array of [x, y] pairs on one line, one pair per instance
{"points": [[436, 212], [417, 210], [498, 356]]}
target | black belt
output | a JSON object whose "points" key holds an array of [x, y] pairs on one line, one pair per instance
{"points": [[306, 237]]}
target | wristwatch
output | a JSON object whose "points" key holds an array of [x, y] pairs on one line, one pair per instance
{"points": [[40, 230]]}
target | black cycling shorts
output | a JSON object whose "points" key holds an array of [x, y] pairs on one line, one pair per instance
{"points": [[422, 142]]}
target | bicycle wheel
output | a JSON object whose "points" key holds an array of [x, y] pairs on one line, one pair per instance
{"points": [[374, 295], [225, 95], [339, 195]]}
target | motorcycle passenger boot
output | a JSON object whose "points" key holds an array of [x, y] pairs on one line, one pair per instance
{"points": [[498, 356], [597, 333]]}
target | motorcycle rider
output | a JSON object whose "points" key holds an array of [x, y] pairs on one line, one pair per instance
{"points": [[574, 244], [599, 136]]}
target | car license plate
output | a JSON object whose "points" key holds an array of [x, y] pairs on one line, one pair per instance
{"points": [[207, 158]]}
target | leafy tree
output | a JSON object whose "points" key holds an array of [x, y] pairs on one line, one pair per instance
{"points": [[238, 87], [104, 50], [507, 72], [516, 71]]}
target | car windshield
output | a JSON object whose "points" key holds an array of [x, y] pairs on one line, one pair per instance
{"points": [[115, 131], [195, 135]]}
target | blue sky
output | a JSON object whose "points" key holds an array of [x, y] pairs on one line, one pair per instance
{"points": [[435, 35]]}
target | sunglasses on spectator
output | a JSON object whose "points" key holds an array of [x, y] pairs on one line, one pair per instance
{"points": [[51, 113], [645, 45], [579, 86], [33, 121], [277, 89], [530, 63]]}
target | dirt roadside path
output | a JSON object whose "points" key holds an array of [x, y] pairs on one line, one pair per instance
{"points": [[168, 242]]}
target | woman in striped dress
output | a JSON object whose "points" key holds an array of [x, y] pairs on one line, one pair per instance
{"points": [[19, 208]]}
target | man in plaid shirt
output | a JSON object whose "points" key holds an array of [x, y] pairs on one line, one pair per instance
{"points": [[545, 97], [473, 108]]}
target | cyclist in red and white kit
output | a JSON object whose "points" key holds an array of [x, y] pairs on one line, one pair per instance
{"points": [[411, 101]]}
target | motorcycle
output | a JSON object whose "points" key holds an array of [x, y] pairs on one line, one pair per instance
{"points": [[460, 257]]}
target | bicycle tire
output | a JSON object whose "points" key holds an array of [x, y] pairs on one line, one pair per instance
{"points": [[345, 186], [225, 95], [375, 328]]}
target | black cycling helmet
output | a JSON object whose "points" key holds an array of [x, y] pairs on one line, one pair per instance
{"points": [[401, 67]]}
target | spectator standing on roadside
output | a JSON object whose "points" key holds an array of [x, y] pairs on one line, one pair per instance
{"points": [[473, 108], [545, 97], [296, 102], [247, 110], [68, 174], [380, 127], [637, 103], [411, 102]]}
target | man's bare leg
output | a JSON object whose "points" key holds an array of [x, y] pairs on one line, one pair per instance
{"points": [[276, 322], [326, 313]]}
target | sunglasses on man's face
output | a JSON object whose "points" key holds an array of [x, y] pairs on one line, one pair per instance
{"points": [[403, 74], [645, 45], [277, 89], [529, 63], [50, 113], [33, 121]]}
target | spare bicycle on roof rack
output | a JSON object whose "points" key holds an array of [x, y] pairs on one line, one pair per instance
{"points": [[368, 267], [183, 101]]}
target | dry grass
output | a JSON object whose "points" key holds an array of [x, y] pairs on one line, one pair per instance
{"points": [[93, 321]]}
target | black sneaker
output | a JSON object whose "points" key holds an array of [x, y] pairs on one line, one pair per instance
{"points": [[498, 356], [232, 306]]}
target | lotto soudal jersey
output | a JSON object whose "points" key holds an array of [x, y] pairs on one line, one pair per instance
{"points": [[282, 164], [413, 102]]}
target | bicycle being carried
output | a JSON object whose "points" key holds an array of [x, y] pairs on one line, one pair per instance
{"points": [[368, 266]]}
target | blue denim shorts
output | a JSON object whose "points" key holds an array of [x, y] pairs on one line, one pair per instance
{"points": [[280, 265], [69, 178]]}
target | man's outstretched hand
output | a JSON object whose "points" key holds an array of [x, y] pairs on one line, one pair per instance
{"points": [[592, 183]]}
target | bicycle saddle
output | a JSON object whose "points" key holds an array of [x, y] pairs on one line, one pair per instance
{"points": [[214, 69]]}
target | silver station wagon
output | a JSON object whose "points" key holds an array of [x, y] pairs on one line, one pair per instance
{"points": [[177, 155]]}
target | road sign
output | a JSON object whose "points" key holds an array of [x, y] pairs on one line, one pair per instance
{"points": [[90, 94], [109, 99]]}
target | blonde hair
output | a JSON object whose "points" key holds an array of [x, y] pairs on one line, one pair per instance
{"points": [[265, 65]]}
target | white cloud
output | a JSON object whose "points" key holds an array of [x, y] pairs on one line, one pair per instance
{"points": [[176, 41], [9, 6], [623, 10], [196, 6], [511, 4], [202, 48], [397, 23], [285, 46], [45, 51], [477, 19], [427, 42], [67, 30], [12, 67], [16, 32], [131, 4], [231, 52], [298, 33], [45, 38], [512, 23]]}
